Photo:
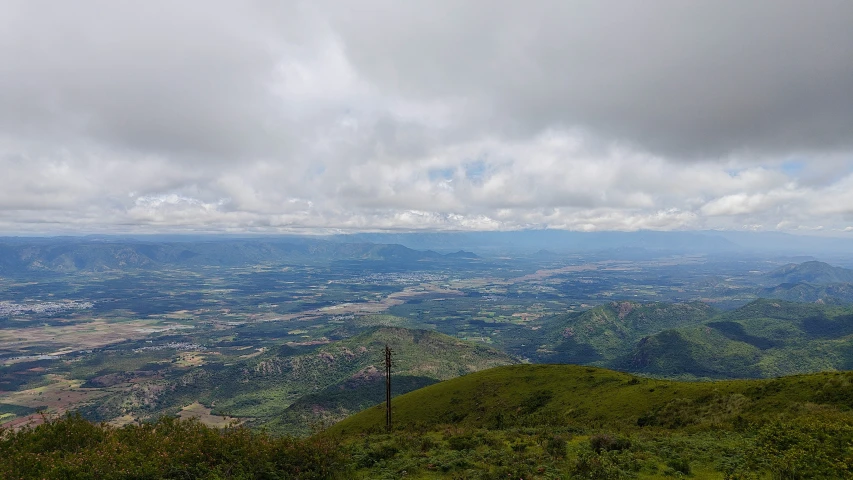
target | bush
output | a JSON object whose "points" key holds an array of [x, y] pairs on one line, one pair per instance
{"points": [[556, 446], [605, 466], [71, 447], [609, 443], [679, 465]]}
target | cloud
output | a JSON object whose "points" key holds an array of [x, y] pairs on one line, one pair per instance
{"points": [[325, 116], [682, 79]]}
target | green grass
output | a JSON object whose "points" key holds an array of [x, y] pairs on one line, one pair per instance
{"points": [[607, 424], [519, 421], [570, 395]]}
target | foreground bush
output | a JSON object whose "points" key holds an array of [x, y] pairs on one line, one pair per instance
{"points": [[72, 447]]}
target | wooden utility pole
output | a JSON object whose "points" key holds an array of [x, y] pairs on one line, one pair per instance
{"points": [[388, 353]]}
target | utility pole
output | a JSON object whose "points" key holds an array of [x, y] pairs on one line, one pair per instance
{"points": [[388, 353]]}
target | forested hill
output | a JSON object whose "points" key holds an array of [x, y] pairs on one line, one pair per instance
{"points": [[810, 272], [764, 338]]}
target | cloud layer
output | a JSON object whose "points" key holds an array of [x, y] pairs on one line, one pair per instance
{"points": [[325, 116]]}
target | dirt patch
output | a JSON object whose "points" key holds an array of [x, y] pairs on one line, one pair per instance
{"points": [[202, 413]]}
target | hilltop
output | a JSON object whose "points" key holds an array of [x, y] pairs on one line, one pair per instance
{"points": [[567, 421], [810, 272], [579, 396]]}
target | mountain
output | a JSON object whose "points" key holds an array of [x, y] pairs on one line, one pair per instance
{"points": [[562, 241], [324, 385], [830, 293], [67, 255], [810, 272], [765, 338], [462, 254], [600, 335]]}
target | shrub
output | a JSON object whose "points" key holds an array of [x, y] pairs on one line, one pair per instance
{"points": [[556, 446], [679, 465], [603, 466], [604, 442], [71, 447]]}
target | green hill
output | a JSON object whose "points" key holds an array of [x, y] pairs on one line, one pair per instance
{"points": [[830, 293], [765, 338], [601, 335], [566, 421], [573, 395], [810, 272]]}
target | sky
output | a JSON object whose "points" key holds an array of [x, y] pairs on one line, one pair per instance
{"points": [[340, 116]]}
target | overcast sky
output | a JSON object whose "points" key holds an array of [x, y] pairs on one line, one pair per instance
{"points": [[317, 116]]}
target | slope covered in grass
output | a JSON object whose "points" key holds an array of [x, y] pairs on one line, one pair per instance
{"points": [[529, 395], [565, 421], [522, 421]]}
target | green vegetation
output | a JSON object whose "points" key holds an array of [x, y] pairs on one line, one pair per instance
{"points": [[562, 421], [600, 335], [765, 338], [520, 421], [810, 272], [325, 385], [72, 447]]}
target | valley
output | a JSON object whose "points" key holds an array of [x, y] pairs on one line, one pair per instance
{"points": [[286, 334]]}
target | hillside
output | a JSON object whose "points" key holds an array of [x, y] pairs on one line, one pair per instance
{"points": [[810, 272], [324, 385], [830, 293], [565, 421], [519, 421], [599, 335], [765, 338]]}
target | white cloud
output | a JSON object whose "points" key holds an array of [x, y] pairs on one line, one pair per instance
{"points": [[311, 117]]}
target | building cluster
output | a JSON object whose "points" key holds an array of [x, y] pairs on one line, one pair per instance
{"points": [[41, 308]]}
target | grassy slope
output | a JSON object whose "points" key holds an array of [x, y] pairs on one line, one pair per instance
{"points": [[566, 421], [520, 421], [570, 394]]}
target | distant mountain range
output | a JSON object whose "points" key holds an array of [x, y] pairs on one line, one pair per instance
{"points": [[72, 255], [69, 253]]}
